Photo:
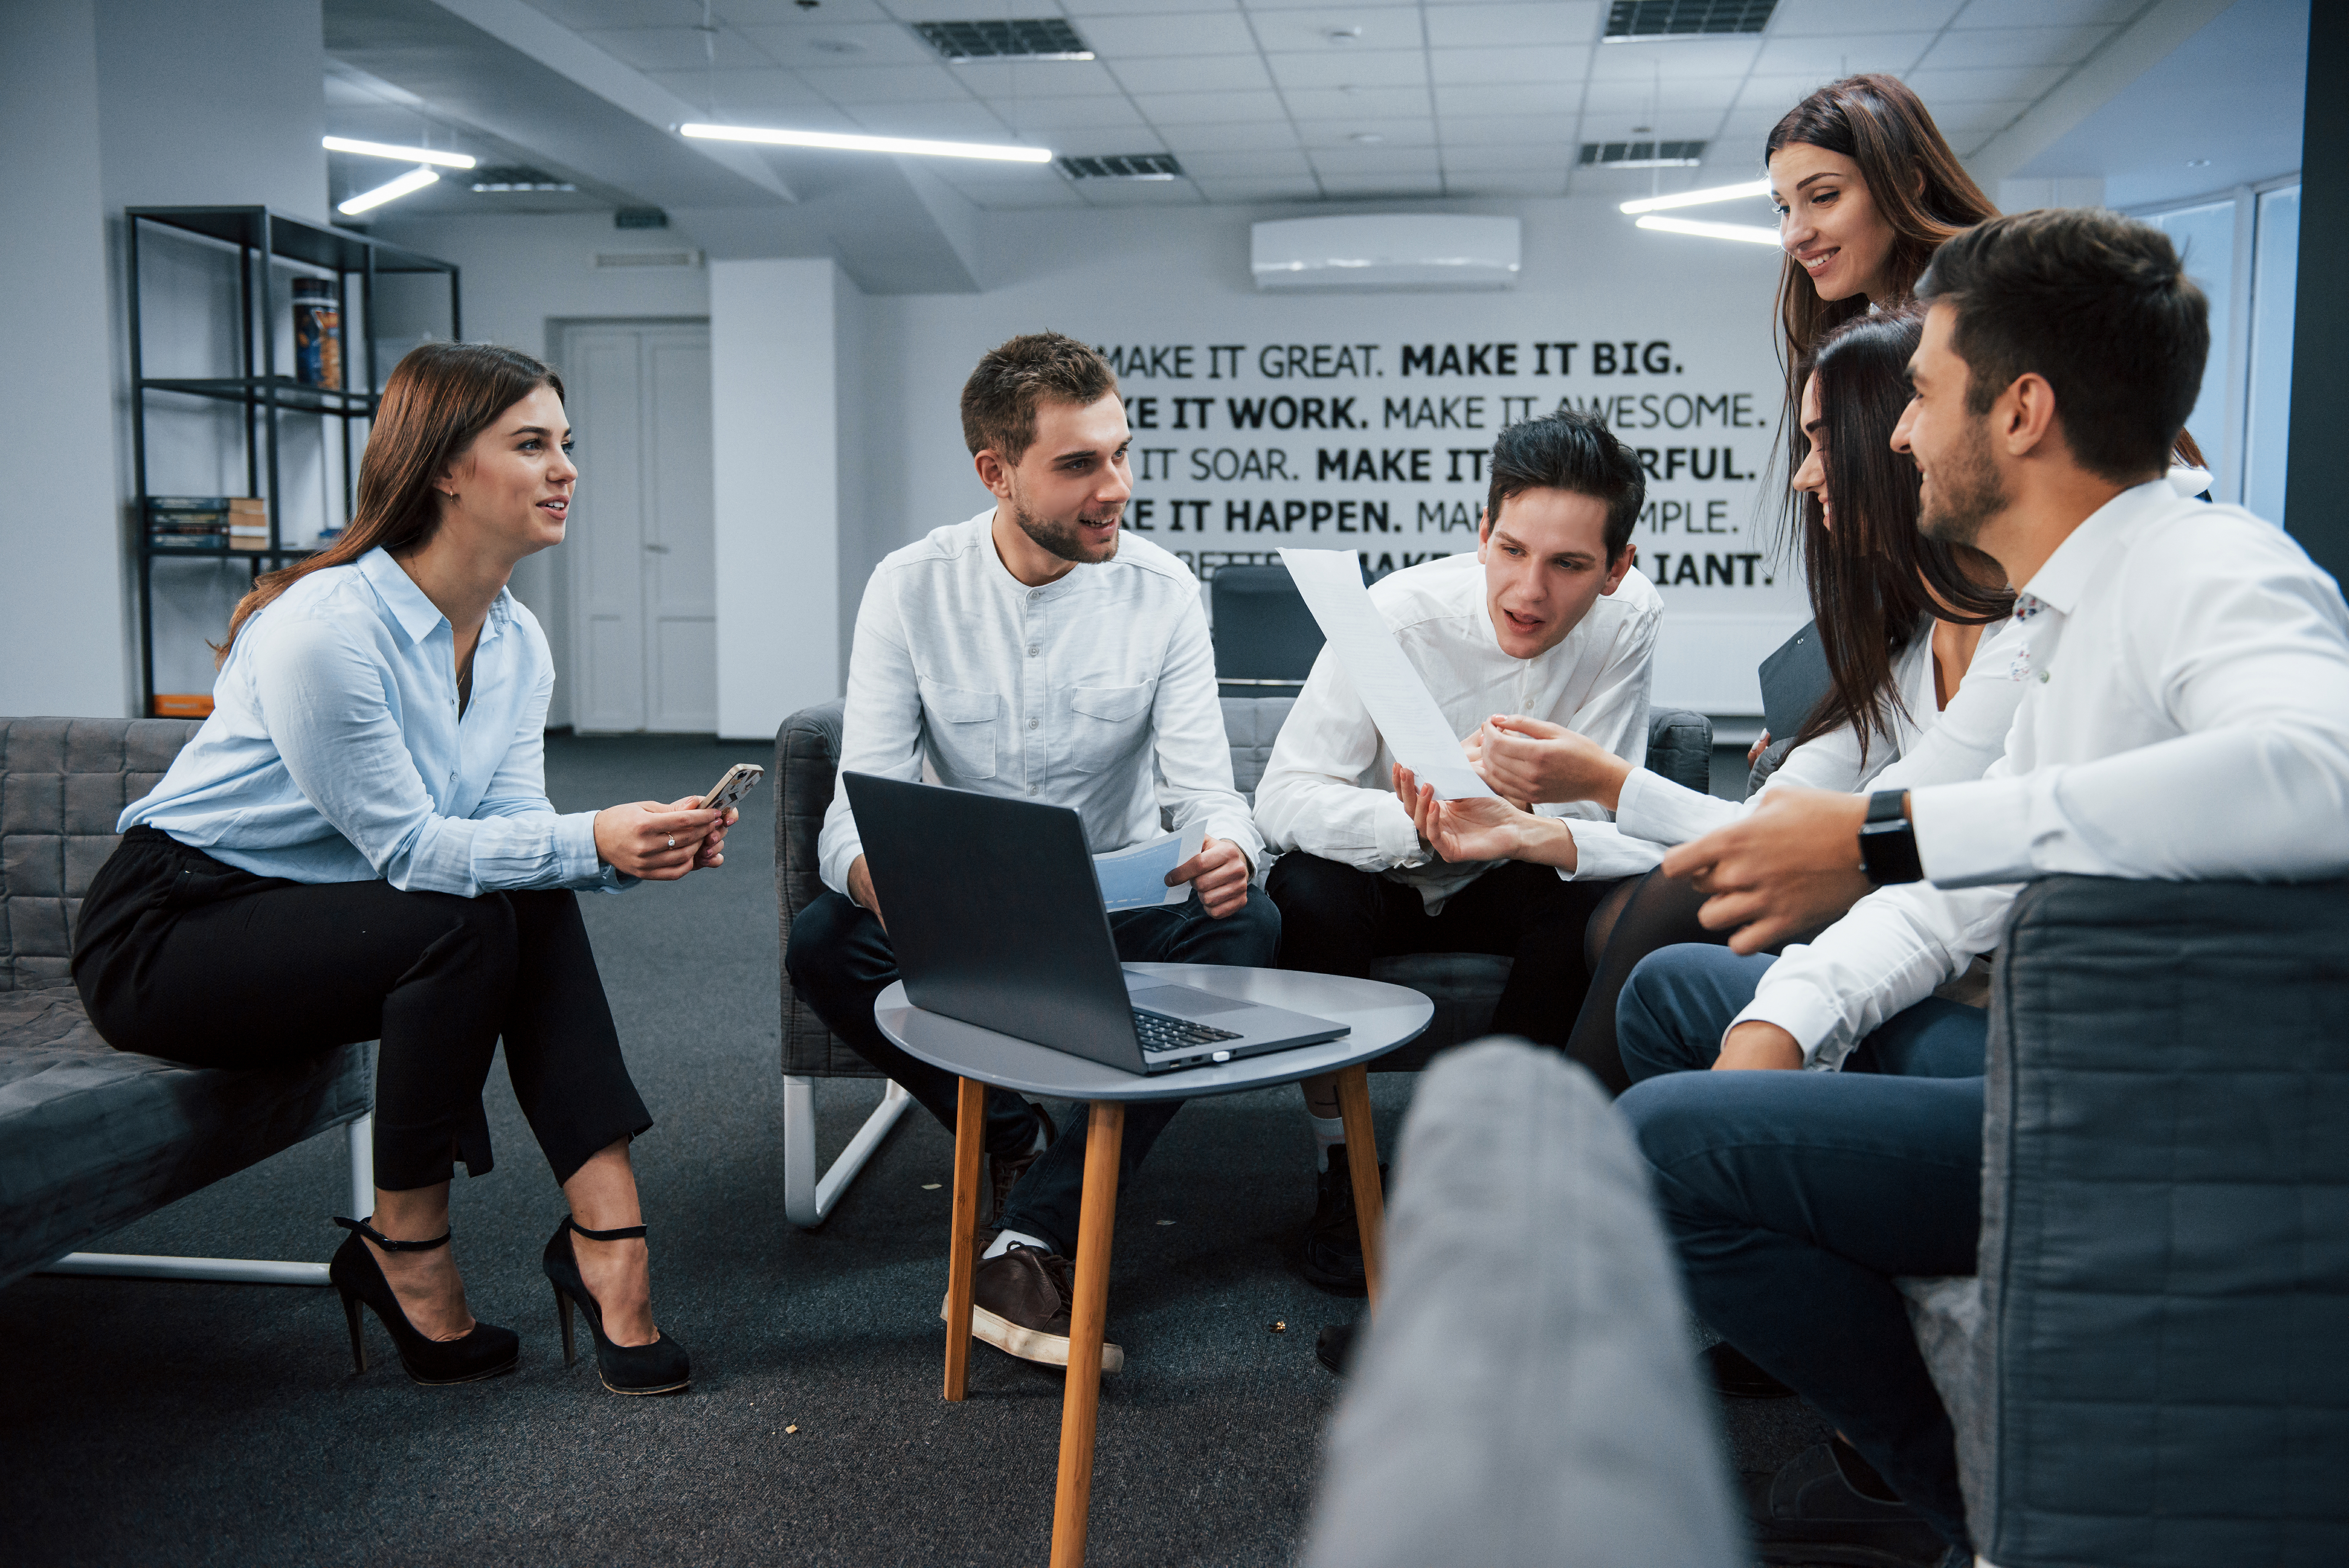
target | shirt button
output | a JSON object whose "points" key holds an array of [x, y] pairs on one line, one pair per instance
{"points": [[1035, 593], [1031, 723], [2043, 678], [1031, 789], [1032, 650]]}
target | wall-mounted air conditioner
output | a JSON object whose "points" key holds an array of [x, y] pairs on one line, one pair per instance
{"points": [[1396, 251]]}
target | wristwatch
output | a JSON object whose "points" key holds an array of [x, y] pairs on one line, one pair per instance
{"points": [[1887, 843]]}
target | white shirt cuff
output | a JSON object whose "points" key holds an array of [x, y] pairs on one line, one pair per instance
{"points": [[1815, 1022], [1398, 844], [1653, 807], [576, 859], [1973, 833]]}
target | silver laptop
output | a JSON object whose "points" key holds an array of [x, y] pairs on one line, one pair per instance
{"points": [[996, 919]]}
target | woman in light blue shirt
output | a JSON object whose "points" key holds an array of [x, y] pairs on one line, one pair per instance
{"points": [[358, 845]]}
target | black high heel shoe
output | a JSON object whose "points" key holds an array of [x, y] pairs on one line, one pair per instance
{"points": [[660, 1367], [486, 1352]]}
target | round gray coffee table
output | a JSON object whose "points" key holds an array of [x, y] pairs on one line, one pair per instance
{"points": [[1382, 1017]]}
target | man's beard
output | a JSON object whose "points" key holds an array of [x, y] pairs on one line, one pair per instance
{"points": [[1061, 539], [1966, 494]]}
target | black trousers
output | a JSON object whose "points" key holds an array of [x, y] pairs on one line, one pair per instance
{"points": [[1335, 919], [180, 956], [840, 960]]}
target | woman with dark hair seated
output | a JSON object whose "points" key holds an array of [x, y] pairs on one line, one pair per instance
{"points": [[357, 846]]}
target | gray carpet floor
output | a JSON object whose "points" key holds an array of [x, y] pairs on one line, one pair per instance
{"points": [[149, 1422]]}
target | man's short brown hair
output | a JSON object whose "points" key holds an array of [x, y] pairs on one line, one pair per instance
{"points": [[998, 401], [2097, 303]]}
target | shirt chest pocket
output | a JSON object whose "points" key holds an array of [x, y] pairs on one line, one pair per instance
{"points": [[960, 725], [1105, 724]]}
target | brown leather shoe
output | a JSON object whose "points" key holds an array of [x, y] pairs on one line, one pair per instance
{"points": [[1003, 1174], [1019, 1304]]}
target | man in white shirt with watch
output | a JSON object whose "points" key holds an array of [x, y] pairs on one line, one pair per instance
{"points": [[1548, 626], [2186, 716], [1035, 651]]}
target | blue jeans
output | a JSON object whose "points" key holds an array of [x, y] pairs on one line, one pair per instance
{"points": [[840, 960], [1796, 1197]]}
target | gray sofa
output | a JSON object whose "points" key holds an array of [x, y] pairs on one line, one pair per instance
{"points": [[1463, 986], [92, 1137]]}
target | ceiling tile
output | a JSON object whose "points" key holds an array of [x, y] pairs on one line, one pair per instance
{"points": [[1036, 78], [1357, 103], [1245, 192], [1775, 96], [1117, 39], [1103, 142], [1351, 67], [1966, 119], [1329, 160], [1986, 87], [1749, 127], [1498, 27], [1286, 162], [1207, 107], [1043, 114], [885, 84], [1509, 98], [1308, 29], [2015, 46], [675, 48], [1140, 192], [1272, 7], [1842, 55], [739, 91], [1505, 129], [864, 44], [1191, 73], [1145, 7], [789, 13], [1230, 138], [1554, 63], [960, 10], [938, 122], [2048, 13], [1503, 183], [1641, 127], [1390, 133], [581, 14], [1364, 186], [1677, 96], [1841, 18], [1696, 57], [1523, 155]]}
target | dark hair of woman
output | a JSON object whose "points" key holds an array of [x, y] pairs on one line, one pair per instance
{"points": [[1915, 181], [1876, 583], [435, 402]]}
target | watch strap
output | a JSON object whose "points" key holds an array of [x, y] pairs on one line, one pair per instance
{"points": [[1888, 842]]}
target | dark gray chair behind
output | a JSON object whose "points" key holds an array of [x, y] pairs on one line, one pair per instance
{"points": [[2156, 1378], [1265, 637], [92, 1137]]}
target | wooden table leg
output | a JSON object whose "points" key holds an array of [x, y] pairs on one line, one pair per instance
{"points": [[962, 1249], [1362, 1165], [1088, 1321]]}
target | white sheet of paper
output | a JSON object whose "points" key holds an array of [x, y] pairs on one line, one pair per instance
{"points": [[1414, 726], [1134, 878]]}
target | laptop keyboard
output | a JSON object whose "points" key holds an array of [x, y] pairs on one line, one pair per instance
{"points": [[1158, 1032]]}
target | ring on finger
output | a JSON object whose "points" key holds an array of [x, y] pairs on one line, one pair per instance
{"points": [[672, 841]]}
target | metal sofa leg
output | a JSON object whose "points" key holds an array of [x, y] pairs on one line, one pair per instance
{"points": [[807, 1201], [359, 1140]]}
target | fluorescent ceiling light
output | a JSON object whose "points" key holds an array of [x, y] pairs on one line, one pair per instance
{"points": [[414, 180], [404, 154], [1698, 198], [1751, 233], [866, 143]]}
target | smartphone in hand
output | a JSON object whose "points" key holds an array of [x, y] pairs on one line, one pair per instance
{"points": [[732, 786]]}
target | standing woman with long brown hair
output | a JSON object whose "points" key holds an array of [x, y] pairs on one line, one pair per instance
{"points": [[357, 844]]}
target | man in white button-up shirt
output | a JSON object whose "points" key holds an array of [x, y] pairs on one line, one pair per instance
{"points": [[1036, 652], [1546, 623], [2185, 715]]}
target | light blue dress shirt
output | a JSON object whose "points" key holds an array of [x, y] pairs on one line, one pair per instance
{"points": [[334, 751]]}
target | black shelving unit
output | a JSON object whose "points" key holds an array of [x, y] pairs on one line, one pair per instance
{"points": [[262, 237]]}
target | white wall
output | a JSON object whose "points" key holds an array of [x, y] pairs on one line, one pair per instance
{"points": [[520, 277], [1179, 279], [62, 644], [774, 328]]}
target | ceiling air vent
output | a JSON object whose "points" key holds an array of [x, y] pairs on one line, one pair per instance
{"points": [[1629, 21], [605, 260], [1643, 154], [517, 177], [1028, 39], [1129, 166]]}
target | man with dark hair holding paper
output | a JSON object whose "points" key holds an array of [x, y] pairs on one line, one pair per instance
{"points": [[2186, 716], [1548, 625]]}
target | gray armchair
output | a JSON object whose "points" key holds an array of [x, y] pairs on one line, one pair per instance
{"points": [[1463, 986], [92, 1137]]}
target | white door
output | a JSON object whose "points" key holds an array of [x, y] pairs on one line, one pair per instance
{"points": [[642, 540]]}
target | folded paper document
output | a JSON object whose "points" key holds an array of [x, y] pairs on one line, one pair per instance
{"points": [[1134, 878], [1408, 719]]}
